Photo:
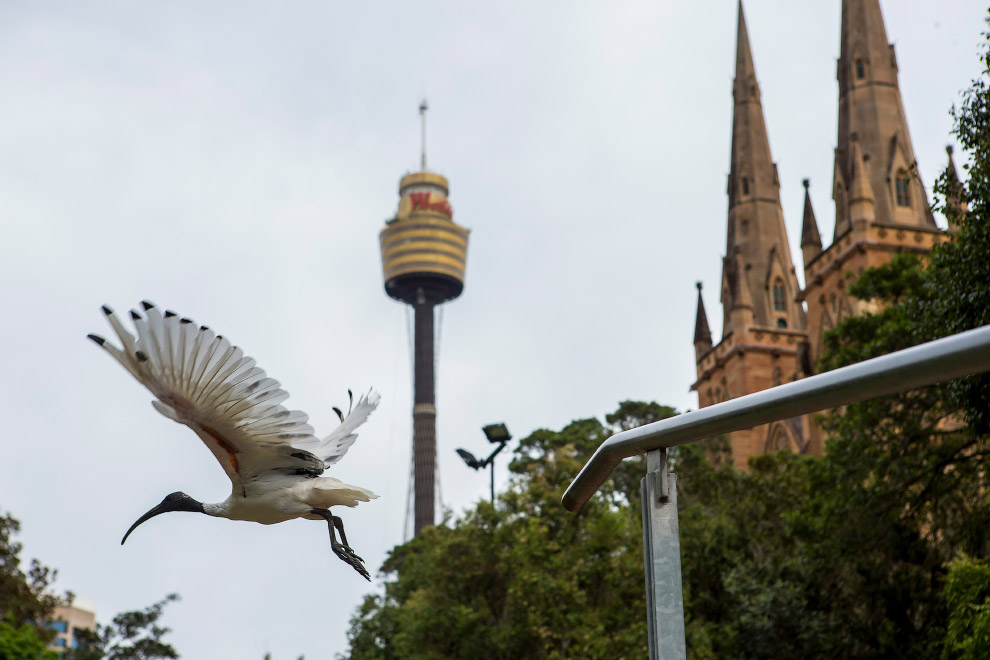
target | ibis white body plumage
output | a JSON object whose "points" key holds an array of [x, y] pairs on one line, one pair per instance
{"points": [[271, 455]]}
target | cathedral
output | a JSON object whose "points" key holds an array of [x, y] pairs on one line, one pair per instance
{"points": [[772, 329]]}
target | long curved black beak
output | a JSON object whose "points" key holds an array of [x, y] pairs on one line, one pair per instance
{"points": [[178, 501], [161, 508]]}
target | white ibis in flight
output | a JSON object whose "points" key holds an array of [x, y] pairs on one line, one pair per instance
{"points": [[270, 453]]}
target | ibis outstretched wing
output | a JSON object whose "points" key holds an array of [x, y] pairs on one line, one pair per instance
{"points": [[333, 447], [203, 381]]}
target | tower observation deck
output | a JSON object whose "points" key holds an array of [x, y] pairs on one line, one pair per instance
{"points": [[424, 254]]}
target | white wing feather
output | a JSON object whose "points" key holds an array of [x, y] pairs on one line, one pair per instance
{"points": [[333, 447], [199, 379]]}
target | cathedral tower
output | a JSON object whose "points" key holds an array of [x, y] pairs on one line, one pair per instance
{"points": [[881, 207], [763, 331]]}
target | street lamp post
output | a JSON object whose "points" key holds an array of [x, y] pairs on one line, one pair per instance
{"points": [[496, 434]]}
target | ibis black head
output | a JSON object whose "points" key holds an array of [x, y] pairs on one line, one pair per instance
{"points": [[177, 501]]}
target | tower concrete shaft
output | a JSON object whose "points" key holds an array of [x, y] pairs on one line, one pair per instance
{"points": [[424, 418]]}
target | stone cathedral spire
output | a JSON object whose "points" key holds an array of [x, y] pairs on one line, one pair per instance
{"points": [[702, 335], [811, 240], [881, 207], [871, 110], [955, 200], [763, 330], [758, 256]]}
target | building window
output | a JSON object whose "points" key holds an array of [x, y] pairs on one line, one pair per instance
{"points": [[60, 642], [860, 69], [901, 189], [745, 186], [59, 626], [779, 297], [781, 323]]}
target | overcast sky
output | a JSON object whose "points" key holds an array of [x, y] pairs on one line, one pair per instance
{"points": [[235, 161]]}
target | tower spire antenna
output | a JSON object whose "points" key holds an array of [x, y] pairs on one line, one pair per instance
{"points": [[423, 107]]}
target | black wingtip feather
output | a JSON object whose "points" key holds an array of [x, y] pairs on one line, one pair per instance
{"points": [[185, 321], [107, 310], [98, 339], [141, 357], [339, 413], [135, 315], [169, 314], [147, 305], [204, 328]]}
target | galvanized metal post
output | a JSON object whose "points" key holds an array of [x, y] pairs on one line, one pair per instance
{"points": [[662, 560]]}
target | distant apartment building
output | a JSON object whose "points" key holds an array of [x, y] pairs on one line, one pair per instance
{"points": [[69, 619]]}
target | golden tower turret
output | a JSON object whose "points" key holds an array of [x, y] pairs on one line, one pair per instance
{"points": [[423, 250], [423, 258]]}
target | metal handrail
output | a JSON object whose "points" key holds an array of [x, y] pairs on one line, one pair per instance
{"points": [[943, 359]]}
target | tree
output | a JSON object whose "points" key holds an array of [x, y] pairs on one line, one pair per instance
{"points": [[134, 635], [25, 597], [22, 643], [522, 579], [968, 593]]}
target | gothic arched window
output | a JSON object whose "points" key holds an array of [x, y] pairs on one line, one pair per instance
{"points": [[745, 186], [901, 189], [779, 296], [781, 323], [860, 69]]}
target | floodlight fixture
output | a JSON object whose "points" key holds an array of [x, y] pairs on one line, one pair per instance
{"points": [[470, 459], [496, 433]]}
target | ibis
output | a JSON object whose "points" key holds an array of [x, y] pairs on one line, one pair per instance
{"points": [[270, 453]]}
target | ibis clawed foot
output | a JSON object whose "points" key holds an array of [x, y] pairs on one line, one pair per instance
{"points": [[342, 549]]}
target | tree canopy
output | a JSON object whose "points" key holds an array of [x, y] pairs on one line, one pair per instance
{"points": [[522, 579]]}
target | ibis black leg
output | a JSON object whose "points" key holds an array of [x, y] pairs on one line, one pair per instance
{"points": [[342, 550], [339, 524]]}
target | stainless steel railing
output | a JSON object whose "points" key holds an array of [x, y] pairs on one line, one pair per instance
{"points": [[944, 359]]}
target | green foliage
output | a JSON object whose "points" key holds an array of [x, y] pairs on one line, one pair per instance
{"points": [[134, 635], [25, 597], [21, 642], [523, 579], [968, 594], [960, 270]]}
